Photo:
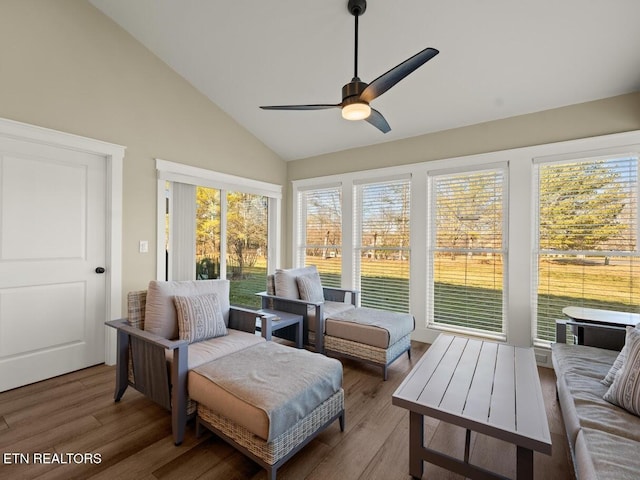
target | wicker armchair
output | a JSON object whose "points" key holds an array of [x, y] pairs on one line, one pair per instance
{"points": [[157, 366], [282, 294]]}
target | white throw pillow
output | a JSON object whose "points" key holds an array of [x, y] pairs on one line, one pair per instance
{"points": [[285, 281], [310, 287], [625, 390], [199, 317], [617, 365]]}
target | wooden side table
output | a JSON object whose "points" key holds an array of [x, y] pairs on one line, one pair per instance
{"points": [[275, 320]]}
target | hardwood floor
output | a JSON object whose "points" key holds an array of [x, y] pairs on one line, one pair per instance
{"points": [[75, 414]]}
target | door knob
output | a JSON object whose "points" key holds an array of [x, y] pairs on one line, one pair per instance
{"points": [[100, 270]]}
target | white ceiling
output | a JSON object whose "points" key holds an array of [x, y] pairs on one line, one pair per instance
{"points": [[498, 58]]}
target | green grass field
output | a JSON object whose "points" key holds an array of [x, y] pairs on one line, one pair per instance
{"points": [[601, 286]]}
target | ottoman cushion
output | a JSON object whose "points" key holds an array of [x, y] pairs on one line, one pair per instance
{"points": [[266, 388], [370, 326]]}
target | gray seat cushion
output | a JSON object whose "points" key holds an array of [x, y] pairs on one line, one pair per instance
{"points": [[206, 351]]}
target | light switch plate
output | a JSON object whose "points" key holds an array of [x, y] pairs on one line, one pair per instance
{"points": [[144, 246]]}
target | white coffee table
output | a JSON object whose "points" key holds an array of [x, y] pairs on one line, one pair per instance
{"points": [[484, 386]]}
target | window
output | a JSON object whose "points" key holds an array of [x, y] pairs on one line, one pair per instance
{"points": [[587, 246], [467, 250], [207, 233], [247, 242], [212, 225], [382, 244], [320, 235], [482, 244]]}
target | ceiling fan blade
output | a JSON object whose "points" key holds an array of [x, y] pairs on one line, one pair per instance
{"points": [[300, 107], [377, 120], [387, 80]]}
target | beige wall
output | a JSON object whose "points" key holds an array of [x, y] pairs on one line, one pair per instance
{"points": [[601, 117], [66, 66]]}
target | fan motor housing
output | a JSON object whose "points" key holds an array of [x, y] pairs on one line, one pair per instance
{"points": [[352, 90]]}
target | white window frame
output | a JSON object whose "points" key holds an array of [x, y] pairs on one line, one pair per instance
{"points": [[357, 223], [298, 234], [520, 212], [632, 150], [504, 250], [177, 172]]}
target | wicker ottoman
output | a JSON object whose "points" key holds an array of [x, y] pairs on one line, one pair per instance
{"points": [[268, 401], [374, 336]]}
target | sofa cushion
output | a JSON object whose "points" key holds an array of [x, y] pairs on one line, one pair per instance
{"points": [[581, 368], [285, 281], [205, 351], [594, 426], [370, 326], [328, 309], [310, 287], [625, 389], [604, 456], [199, 317], [160, 312]]}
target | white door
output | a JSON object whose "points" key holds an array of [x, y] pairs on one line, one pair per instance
{"points": [[52, 239]]}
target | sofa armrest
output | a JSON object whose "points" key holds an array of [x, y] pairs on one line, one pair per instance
{"points": [[122, 325], [149, 363], [243, 319], [286, 300], [333, 294]]}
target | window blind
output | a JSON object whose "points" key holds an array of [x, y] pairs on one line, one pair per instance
{"points": [[207, 229], [467, 250], [383, 250], [587, 231], [320, 232]]}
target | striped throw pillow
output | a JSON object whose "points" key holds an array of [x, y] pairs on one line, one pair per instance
{"points": [[310, 287], [199, 317], [625, 389]]}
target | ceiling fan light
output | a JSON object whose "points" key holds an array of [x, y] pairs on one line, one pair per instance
{"points": [[356, 111]]}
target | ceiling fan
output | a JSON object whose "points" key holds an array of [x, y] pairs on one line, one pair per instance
{"points": [[356, 95]]}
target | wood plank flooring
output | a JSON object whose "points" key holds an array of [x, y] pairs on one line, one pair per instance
{"points": [[75, 413]]}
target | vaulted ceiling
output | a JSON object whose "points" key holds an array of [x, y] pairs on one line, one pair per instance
{"points": [[498, 58]]}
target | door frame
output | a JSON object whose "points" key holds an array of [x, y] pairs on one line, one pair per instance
{"points": [[114, 157]]}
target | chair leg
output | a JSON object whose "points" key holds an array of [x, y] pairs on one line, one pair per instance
{"points": [[179, 394], [122, 366]]}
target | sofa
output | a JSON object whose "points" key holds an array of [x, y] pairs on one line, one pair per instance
{"points": [[334, 323], [284, 294], [153, 360], [187, 349], [603, 438]]}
